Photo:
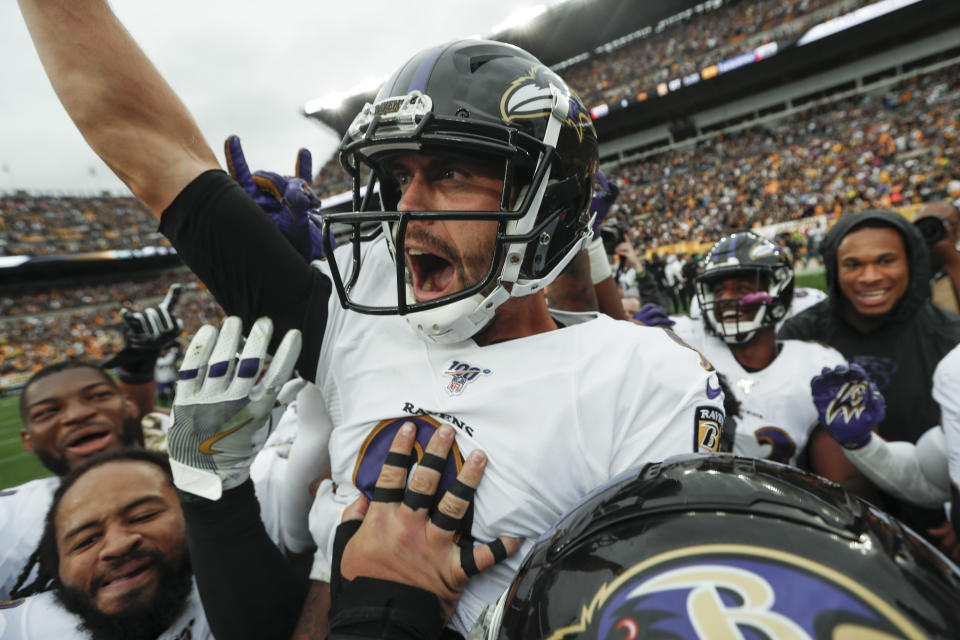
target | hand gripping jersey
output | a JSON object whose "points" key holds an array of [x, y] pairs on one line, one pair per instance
{"points": [[558, 413], [777, 414], [42, 617]]}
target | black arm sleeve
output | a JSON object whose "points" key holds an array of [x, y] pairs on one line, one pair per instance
{"points": [[251, 269], [248, 589]]}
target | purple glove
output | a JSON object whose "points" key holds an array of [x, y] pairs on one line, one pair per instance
{"points": [[288, 200], [849, 404], [653, 315], [604, 195]]}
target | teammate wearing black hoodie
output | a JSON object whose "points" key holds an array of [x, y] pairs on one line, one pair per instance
{"points": [[879, 315]]}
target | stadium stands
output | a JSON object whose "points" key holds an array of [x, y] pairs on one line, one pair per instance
{"points": [[45, 324], [49, 225], [689, 46], [893, 147], [889, 150]]}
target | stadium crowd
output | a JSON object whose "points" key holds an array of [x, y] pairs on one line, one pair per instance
{"points": [[894, 150], [52, 225], [38, 329], [698, 42], [677, 50], [265, 522]]}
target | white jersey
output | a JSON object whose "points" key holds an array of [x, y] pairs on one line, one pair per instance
{"points": [[22, 513], [777, 414], [165, 370], [946, 391], [558, 413], [42, 617]]}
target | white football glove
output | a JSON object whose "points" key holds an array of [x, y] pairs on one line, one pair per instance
{"points": [[221, 414]]}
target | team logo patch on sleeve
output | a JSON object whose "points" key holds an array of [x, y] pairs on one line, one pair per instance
{"points": [[707, 427]]}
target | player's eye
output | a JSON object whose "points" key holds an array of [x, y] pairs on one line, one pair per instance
{"points": [[86, 542], [44, 412], [144, 517]]}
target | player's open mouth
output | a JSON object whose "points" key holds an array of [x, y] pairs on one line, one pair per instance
{"points": [[433, 275], [129, 576], [90, 440], [730, 315]]}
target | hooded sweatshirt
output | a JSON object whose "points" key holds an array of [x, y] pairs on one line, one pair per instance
{"points": [[900, 355]]}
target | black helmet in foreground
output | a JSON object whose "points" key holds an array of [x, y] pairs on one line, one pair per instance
{"points": [[722, 546]]}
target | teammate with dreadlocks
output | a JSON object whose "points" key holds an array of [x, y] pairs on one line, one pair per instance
{"points": [[113, 553]]}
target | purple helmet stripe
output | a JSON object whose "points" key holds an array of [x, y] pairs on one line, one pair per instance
{"points": [[420, 76]]}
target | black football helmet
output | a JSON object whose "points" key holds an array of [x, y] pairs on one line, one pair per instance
{"points": [[476, 100], [739, 254], [723, 546]]}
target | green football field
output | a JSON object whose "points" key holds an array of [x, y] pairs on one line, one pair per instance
{"points": [[16, 465], [812, 280]]}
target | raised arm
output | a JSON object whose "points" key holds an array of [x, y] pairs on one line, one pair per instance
{"points": [[125, 110]]}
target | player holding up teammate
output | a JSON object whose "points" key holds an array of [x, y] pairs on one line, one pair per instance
{"points": [[485, 160]]}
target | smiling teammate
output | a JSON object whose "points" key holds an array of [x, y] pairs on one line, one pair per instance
{"points": [[879, 316], [114, 554], [484, 160], [745, 288]]}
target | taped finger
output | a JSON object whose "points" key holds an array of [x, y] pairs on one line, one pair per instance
{"points": [[416, 500], [392, 480], [426, 477], [477, 558]]}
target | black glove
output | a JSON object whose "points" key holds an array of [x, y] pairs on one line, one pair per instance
{"points": [[147, 333]]}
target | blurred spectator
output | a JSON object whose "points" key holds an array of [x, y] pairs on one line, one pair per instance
{"points": [[50, 225], [90, 330], [698, 42], [851, 155]]}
